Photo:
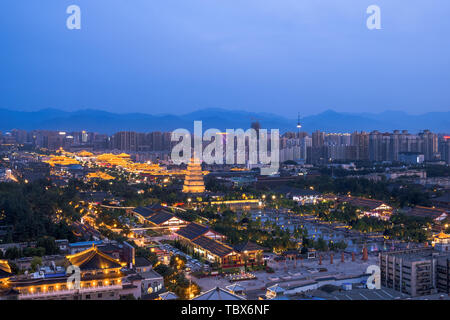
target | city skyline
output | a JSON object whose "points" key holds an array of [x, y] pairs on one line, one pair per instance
{"points": [[245, 151]]}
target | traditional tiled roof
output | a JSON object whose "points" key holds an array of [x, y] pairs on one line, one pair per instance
{"points": [[160, 217], [443, 235], [5, 269], [156, 207], [93, 259], [144, 211], [215, 247], [192, 231], [218, 294], [248, 246], [426, 212], [362, 202]]}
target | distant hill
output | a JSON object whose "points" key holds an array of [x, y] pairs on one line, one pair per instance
{"points": [[329, 121]]}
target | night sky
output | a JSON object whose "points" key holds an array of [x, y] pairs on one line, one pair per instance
{"points": [[177, 56]]}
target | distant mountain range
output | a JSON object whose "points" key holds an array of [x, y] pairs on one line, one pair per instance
{"points": [[329, 121]]}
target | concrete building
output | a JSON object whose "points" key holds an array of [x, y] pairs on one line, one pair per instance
{"points": [[414, 271], [443, 274], [411, 157]]}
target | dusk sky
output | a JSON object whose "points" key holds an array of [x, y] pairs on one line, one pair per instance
{"points": [[177, 56]]}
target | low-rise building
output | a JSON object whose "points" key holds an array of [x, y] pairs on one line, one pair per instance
{"points": [[369, 207], [210, 245], [435, 214], [92, 275], [194, 230], [159, 217]]}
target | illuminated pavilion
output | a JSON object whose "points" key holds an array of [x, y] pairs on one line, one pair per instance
{"points": [[100, 278], [5, 272], [193, 181]]}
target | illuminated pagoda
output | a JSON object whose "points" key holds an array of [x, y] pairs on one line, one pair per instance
{"points": [[193, 182]]}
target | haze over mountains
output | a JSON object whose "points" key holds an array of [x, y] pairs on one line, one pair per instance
{"points": [[329, 121]]}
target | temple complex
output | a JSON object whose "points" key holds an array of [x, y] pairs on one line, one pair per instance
{"points": [[92, 275]]}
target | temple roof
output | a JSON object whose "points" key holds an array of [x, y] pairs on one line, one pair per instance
{"points": [[362, 202], [5, 269], [218, 294], [85, 153], [426, 212], [144, 211], [160, 217], [192, 231], [148, 210], [443, 235], [248, 246], [93, 259], [215, 247]]}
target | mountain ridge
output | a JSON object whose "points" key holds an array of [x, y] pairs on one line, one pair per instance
{"points": [[108, 122]]}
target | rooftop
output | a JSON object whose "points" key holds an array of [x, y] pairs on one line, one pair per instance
{"points": [[362, 202], [359, 294], [93, 259], [248, 246], [141, 262], [160, 217], [218, 294], [5, 269], [192, 231], [215, 247], [425, 212]]}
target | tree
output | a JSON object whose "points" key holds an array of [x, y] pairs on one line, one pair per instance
{"points": [[177, 262], [35, 263], [321, 245], [49, 244]]}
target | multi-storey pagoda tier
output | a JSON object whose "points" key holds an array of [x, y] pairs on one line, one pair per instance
{"points": [[193, 182]]}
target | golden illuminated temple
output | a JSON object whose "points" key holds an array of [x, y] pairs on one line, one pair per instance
{"points": [[193, 181], [63, 158]]}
